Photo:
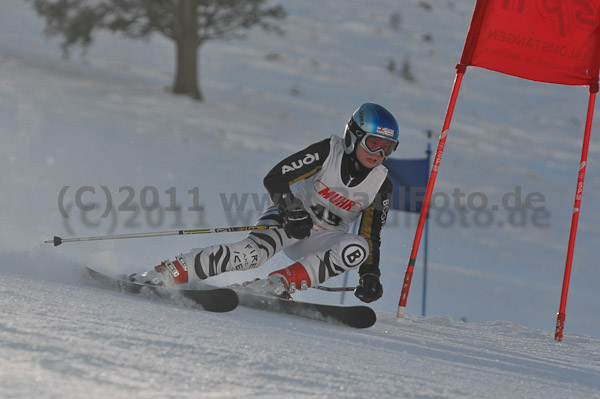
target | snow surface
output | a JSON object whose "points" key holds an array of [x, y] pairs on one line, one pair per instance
{"points": [[107, 121]]}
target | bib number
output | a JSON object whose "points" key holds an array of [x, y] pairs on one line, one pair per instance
{"points": [[326, 215]]}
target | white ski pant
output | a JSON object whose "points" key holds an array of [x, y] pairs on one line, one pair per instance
{"points": [[325, 254]]}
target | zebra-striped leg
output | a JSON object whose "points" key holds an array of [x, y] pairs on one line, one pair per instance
{"points": [[348, 253], [218, 259], [249, 253]]}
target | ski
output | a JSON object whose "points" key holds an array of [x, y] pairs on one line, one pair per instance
{"points": [[216, 299], [351, 316], [211, 299]]}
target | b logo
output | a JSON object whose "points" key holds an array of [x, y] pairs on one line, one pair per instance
{"points": [[353, 255]]}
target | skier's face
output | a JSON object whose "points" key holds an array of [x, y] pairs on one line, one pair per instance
{"points": [[368, 160]]}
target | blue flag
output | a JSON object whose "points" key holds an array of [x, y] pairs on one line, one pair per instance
{"points": [[410, 177]]}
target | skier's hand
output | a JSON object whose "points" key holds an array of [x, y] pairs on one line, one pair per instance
{"points": [[297, 221], [369, 288]]}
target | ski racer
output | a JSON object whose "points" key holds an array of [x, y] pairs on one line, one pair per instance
{"points": [[317, 194]]}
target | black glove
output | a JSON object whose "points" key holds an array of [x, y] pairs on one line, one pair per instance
{"points": [[369, 288], [297, 221]]}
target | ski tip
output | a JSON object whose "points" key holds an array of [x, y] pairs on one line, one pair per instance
{"points": [[368, 321], [360, 317], [217, 300]]}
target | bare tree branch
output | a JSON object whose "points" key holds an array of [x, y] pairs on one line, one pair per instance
{"points": [[76, 21]]}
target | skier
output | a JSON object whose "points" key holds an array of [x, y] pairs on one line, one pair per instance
{"points": [[317, 194]]}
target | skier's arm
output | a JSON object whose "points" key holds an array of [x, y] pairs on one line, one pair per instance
{"points": [[373, 220], [296, 167], [369, 288]]}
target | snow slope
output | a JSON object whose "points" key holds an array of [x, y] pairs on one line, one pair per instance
{"points": [[98, 344], [107, 122]]}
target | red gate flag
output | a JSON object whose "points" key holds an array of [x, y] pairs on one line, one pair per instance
{"points": [[552, 41]]}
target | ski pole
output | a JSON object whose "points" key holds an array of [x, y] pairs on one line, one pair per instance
{"points": [[335, 289], [58, 240]]}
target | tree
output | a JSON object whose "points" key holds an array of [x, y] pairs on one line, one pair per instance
{"points": [[188, 23]]}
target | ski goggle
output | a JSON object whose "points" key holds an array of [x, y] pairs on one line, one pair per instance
{"points": [[373, 144]]}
